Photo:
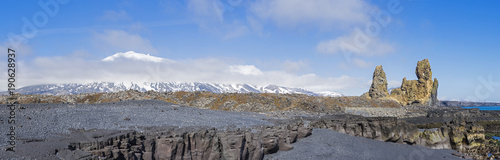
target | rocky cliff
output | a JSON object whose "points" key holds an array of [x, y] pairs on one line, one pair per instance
{"points": [[422, 91]]}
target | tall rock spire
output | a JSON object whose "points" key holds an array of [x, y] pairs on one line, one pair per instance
{"points": [[378, 88], [412, 92]]}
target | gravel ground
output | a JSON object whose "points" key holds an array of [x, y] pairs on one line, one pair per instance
{"points": [[328, 144], [46, 120]]}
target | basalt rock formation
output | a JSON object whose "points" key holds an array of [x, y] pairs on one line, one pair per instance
{"points": [[459, 134], [387, 129], [412, 92], [378, 88], [185, 143]]}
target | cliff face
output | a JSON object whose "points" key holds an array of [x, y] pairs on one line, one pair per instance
{"points": [[422, 91]]}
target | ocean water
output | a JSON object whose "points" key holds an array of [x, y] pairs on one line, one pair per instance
{"points": [[497, 138], [486, 108]]}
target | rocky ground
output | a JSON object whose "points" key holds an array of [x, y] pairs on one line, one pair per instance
{"points": [[40, 120], [328, 144], [154, 125], [250, 102], [148, 129], [49, 131]]}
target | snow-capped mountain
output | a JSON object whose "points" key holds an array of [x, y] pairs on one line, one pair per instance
{"points": [[131, 55], [76, 88]]}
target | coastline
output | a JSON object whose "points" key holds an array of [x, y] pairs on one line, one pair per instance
{"points": [[485, 108]]}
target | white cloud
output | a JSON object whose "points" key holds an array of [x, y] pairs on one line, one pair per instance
{"points": [[135, 56], [245, 69], [111, 15], [343, 17], [325, 13], [119, 40], [75, 69], [356, 43]]}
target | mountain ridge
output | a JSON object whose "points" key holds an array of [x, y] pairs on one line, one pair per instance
{"points": [[99, 87]]}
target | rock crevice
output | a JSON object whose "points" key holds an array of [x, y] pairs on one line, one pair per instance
{"points": [[187, 143]]}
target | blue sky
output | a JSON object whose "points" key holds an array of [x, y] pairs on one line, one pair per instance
{"points": [[295, 43]]}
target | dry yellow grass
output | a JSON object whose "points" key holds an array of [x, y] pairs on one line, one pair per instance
{"points": [[225, 101]]}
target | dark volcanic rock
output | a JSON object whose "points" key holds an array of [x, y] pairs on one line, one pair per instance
{"points": [[325, 144], [379, 128], [434, 101], [198, 143], [459, 134], [177, 143]]}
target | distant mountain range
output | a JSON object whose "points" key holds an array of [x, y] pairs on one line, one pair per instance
{"points": [[98, 87]]}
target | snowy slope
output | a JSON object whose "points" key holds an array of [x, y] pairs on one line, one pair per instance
{"points": [[75, 88]]}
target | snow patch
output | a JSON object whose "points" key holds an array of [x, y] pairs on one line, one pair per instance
{"points": [[73, 88]]}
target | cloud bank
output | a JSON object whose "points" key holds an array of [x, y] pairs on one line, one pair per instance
{"points": [[50, 70], [131, 55]]}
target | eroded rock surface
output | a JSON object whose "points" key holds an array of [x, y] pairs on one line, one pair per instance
{"points": [[190, 143], [378, 88], [422, 91], [387, 129], [459, 134]]}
